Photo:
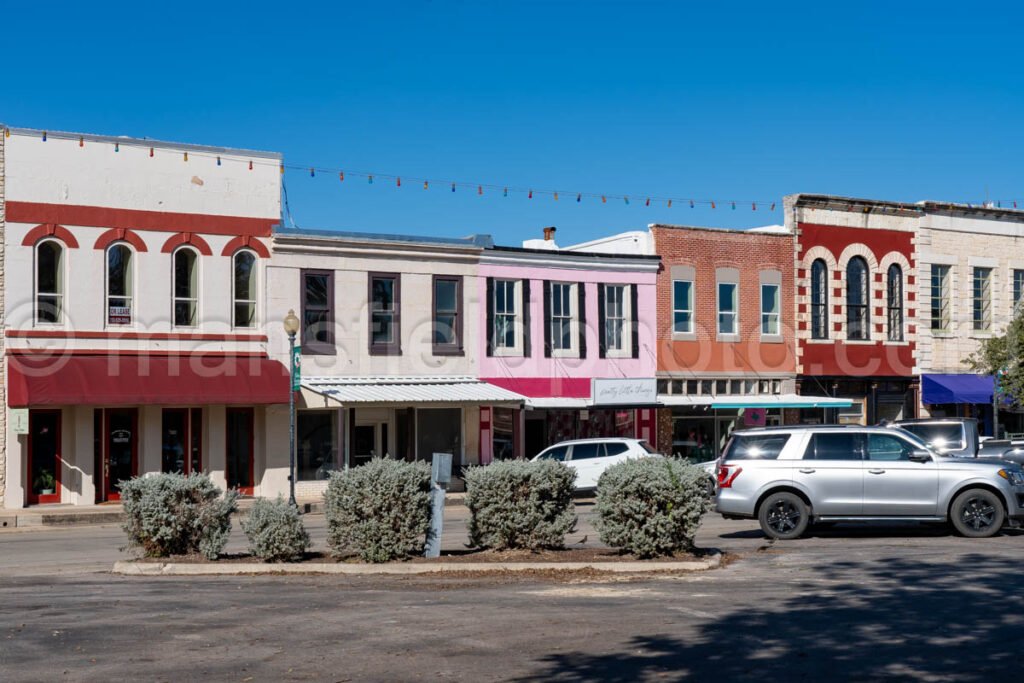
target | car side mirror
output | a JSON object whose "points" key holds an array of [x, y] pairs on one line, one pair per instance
{"points": [[920, 456]]}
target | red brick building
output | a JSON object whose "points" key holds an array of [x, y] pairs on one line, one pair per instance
{"points": [[856, 314], [726, 343]]}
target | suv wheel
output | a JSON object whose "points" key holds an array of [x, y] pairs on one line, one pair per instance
{"points": [[977, 513], [783, 516]]}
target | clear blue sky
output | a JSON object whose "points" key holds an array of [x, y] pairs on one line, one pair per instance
{"points": [[893, 100]]}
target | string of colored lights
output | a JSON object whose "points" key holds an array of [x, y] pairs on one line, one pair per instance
{"points": [[480, 188]]}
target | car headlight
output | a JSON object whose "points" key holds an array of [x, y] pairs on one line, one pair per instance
{"points": [[1015, 477]]}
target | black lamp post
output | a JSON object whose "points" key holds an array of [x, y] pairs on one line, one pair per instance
{"points": [[291, 328]]}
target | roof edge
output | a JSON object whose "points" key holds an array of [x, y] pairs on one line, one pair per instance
{"points": [[144, 142]]}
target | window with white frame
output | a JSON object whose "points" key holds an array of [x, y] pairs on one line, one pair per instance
{"points": [[894, 302], [728, 307], [941, 297], [506, 315], [617, 333], [819, 300], [858, 317], [562, 313], [982, 299], [769, 310], [682, 306], [119, 284], [244, 289], [1018, 288], [49, 282], [186, 287]]}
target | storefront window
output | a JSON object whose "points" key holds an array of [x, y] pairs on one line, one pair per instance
{"points": [[439, 430], [503, 431], [175, 435], [316, 448]]}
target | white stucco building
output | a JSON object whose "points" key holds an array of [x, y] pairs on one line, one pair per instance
{"points": [[389, 337], [134, 311]]}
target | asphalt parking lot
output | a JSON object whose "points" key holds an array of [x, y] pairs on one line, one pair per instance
{"points": [[847, 603]]}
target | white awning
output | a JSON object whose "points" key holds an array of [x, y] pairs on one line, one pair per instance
{"points": [[755, 401], [416, 390], [559, 403]]}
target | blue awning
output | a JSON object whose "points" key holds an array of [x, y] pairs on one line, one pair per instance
{"points": [[938, 389]]}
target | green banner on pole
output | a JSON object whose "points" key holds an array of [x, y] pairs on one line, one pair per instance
{"points": [[296, 368]]}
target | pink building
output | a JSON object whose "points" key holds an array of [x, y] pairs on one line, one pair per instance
{"points": [[574, 333]]}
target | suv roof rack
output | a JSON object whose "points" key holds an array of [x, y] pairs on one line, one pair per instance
{"points": [[918, 420], [770, 428]]}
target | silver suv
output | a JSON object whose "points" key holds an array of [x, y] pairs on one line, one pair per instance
{"points": [[788, 477]]}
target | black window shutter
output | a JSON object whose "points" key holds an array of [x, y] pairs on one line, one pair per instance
{"points": [[547, 319], [490, 316], [581, 290], [602, 343], [526, 318], [634, 327]]}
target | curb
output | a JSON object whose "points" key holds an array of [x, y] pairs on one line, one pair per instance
{"points": [[133, 568]]}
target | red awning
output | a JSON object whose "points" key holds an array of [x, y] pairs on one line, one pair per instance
{"points": [[131, 380]]}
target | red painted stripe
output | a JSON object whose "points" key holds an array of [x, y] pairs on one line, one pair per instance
{"points": [[64, 351], [49, 230], [161, 221], [117, 235], [196, 241], [245, 241], [544, 387], [142, 336]]}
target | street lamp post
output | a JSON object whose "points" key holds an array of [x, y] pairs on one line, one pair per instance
{"points": [[291, 328]]}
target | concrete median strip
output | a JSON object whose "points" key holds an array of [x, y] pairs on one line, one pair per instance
{"points": [[135, 568]]}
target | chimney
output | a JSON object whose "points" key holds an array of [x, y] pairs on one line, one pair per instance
{"points": [[549, 233]]}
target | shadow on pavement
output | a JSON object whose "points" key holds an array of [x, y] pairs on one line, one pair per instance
{"points": [[869, 530], [897, 619]]}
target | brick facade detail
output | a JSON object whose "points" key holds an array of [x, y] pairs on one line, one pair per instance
{"points": [[703, 353]]}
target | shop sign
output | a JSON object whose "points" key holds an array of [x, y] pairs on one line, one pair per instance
{"points": [[120, 315], [19, 420], [120, 436], [624, 391]]}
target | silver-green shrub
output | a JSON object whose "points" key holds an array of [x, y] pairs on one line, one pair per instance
{"points": [[520, 504], [651, 506], [174, 514], [275, 531], [380, 510]]}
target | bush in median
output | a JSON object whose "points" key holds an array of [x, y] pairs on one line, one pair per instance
{"points": [[518, 504], [275, 531], [380, 509], [651, 506], [174, 514]]}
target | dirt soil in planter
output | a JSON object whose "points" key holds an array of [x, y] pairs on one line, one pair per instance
{"points": [[457, 557]]}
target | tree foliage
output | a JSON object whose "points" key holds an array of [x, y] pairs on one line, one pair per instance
{"points": [[1004, 352]]}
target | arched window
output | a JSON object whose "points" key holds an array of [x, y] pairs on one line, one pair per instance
{"points": [[186, 287], [857, 300], [819, 300], [894, 302], [119, 284], [245, 289], [49, 282]]}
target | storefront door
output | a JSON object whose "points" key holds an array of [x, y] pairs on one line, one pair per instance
{"points": [[239, 453], [44, 457], [182, 440], [122, 449], [368, 440]]}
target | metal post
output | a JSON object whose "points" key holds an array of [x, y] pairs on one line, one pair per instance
{"points": [[440, 476], [291, 420], [995, 406]]}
